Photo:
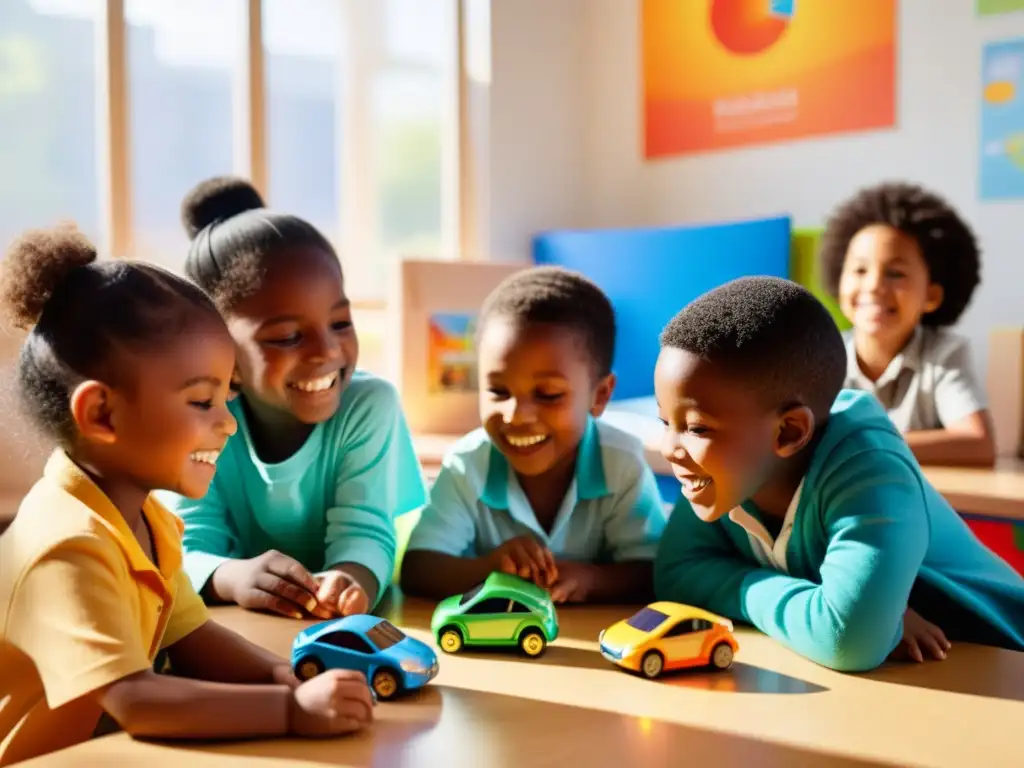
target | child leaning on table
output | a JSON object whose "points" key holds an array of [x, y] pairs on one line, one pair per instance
{"points": [[904, 265], [299, 519], [542, 489], [803, 511], [126, 366]]}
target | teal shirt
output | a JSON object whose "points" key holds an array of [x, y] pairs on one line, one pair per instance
{"points": [[333, 501], [868, 534], [611, 512]]}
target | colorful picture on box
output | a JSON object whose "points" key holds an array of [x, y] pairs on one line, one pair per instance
{"points": [[451, 361], [732, 73], [1002, 121]]}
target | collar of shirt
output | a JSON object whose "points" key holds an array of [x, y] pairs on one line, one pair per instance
{"points": [[909, 358], [166, 529], [768, 551], [502, 489]]}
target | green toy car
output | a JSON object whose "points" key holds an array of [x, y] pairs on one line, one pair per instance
{"points": [[502, 611]]}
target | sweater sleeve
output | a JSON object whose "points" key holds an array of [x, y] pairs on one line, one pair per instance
{"points": [[378, 479], [876, 523], [698, 565], [209, 539]]}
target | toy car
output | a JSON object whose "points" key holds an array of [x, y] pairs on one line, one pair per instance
{"points": [[502, 611], [391, 660], [668, 636]]}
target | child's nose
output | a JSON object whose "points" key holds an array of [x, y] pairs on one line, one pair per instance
{"points": [[520, 412], [671, 449], [228, 425]]}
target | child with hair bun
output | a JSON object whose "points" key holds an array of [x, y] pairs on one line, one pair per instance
{"points": [[126, 367], [300, 517]]}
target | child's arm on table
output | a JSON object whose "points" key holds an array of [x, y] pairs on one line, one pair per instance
{"points": [[632, 530], [215, 563], [69, 618], [852, 620], [379, 477], [966, 442], [966, 438]]}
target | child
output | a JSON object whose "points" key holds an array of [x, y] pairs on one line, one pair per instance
{"points": [[542, 490], [903, 265], [299, 518], [803, 510], [126, 367]]}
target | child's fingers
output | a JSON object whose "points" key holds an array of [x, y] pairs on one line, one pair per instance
{"points": [[292, 570], [933, 645], [559, 593], [353, 600], [297, 597], [914, 650], [265, 601]]}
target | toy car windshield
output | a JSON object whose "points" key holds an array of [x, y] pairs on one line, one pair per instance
{"points": [[646, 619], [472, 593], [385, 635]]}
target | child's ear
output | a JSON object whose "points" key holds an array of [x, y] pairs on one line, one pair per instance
{"points": [[794, 431], [92, 409], [602, 394], [934, 298]]}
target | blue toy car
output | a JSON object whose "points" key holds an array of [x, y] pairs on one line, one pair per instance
{"points": [[391, 660]]}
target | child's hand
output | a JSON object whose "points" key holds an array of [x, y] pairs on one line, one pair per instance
{"points": [[575, 582], [271, 582], [920, 636], [332, 703], [340, 594], [527, 558]]}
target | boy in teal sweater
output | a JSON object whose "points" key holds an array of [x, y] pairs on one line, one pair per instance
{"points": [[804, 512]]}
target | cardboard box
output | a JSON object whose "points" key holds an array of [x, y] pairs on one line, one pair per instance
{"points": [[432, 357]]}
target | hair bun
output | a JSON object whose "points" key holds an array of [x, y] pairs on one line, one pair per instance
{"points": [[36, 263], [217, 199]]}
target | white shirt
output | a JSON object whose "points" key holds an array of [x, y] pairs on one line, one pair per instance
{"points": [[930, 384], [770, 552]]}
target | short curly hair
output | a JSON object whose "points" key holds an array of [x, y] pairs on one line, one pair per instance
{"points": [[81, 313], [769, 333], [947, 243], [557, 296], [235, 235]]}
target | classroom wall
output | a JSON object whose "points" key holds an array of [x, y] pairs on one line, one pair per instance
{"points": [[566, 139]]}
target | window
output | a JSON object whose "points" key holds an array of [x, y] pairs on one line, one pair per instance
{"points": [[303, 73], [515, 607], [471, 594], [182, 60], [490, 605], [48, 111], [686, 626], [646, 619], [385, 635], [348, 640]]}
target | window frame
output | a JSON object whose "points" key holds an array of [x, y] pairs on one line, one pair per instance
{"points": [[358, 201]]}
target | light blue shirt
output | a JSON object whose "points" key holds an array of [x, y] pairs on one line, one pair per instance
{"points": [[331, 502], [612, 511]]}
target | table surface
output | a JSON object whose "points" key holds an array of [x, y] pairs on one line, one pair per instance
{"points": [[997, 492], [570, 707]]}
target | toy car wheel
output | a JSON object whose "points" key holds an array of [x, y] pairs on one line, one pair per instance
{"points": [[652, 664], [450, 640], [532, 643], [308, 668], [385, 684], [721, 656]]}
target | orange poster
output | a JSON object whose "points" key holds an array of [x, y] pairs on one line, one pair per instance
{"points": [[733, 73]]}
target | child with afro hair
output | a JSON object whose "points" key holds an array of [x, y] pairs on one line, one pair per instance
{"points": [[903, 266]]}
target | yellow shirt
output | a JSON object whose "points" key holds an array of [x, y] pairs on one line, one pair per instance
{"points": [[81, 606]]}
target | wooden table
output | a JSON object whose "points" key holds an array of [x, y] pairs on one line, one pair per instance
{"points": [[996, 493], [571, 708]]}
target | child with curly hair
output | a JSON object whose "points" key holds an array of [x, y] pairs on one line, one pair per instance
{"points": [[126, 367], [904, 266]]}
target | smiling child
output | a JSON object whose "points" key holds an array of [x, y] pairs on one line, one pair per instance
{"points": [[542, 489], [904, 266], [803, 510]]}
